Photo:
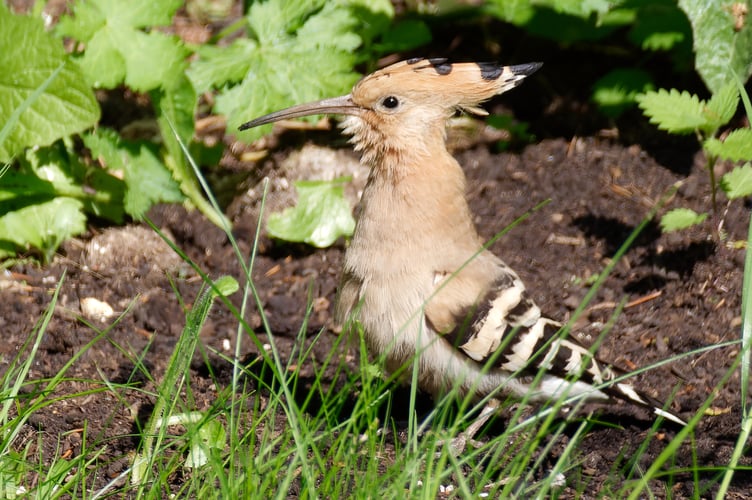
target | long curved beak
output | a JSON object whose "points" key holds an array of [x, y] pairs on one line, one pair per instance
{"points": [[342, 105]]}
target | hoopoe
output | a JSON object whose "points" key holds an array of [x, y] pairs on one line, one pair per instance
{"points": [[415, 272]]}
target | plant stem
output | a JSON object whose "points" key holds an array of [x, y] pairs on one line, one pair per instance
{"points": [[711, 172]]}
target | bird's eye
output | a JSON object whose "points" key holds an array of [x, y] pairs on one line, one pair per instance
{"points": [[390, 102]]}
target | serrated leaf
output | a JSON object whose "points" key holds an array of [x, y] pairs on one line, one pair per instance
{"points": [[118, 50], [723, 52], [722, 105], [680, 218], [29, 57], [44, 225], [736, 147], [217, 66], [283, 66], [738, 182], [89, 16], [317, 30], [321, 216], [675, 112]]}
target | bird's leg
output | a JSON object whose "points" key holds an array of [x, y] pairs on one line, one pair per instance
{"points": [[459, 443]]}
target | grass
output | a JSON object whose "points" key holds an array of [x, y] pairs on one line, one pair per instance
{"points": [[262, 438]]}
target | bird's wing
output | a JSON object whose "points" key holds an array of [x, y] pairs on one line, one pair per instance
{"points": [[486, 317], [499, 321]]}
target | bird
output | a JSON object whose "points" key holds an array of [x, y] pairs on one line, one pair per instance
{"points": [[417, 277]]}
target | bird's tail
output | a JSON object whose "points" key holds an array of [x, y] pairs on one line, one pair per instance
{"points": [[625, 392]]}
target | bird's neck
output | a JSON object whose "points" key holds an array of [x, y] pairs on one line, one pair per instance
{"points": [[414, 193]]}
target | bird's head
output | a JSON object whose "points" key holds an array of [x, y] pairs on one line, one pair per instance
{"points": [[406, 105]]}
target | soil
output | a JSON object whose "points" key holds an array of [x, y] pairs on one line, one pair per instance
{"points": [[601, 179]]}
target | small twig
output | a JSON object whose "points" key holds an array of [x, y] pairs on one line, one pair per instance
{"points": [[643, 299], [635, 302]]}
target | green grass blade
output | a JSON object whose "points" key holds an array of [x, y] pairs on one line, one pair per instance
{"points": [[174, 379], [745, 353]]}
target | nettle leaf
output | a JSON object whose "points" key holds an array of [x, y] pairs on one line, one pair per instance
{"points": [[680, 218], [44, 225], [218, 66], [736, 147], [321, 216], [723, 53], [117, 47], [674, 111], [302, 51], [738, 182], [32, 60], [722, 105]]}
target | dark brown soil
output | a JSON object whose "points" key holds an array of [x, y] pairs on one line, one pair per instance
{"points": [[601, 181]]}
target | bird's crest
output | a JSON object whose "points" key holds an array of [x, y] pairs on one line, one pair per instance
{"points": [[457, 85]]}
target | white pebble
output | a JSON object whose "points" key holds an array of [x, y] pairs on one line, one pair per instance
{"points": [[96, 309]]}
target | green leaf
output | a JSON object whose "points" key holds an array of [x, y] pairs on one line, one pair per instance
{"points": [[146, 178], [722, 106], [580, 8], [404, 35], [723, 52], [321, 216], [660, 26], [617, 90], [29, 57], [284, 63], [736, 147], [518, 12], [118, 49], [675, 112], [45, 225], [63, 174], [176, 108], [148, 181], [680, 218], [210, 438], [217, 66], [562, 20], [175, 115], [227, 285], [738, 182]]}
